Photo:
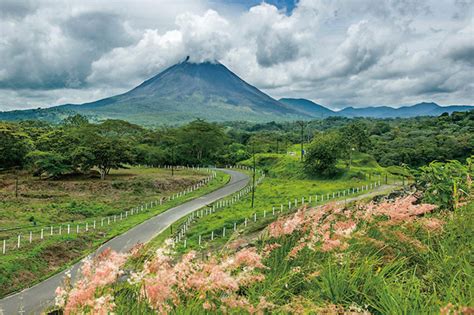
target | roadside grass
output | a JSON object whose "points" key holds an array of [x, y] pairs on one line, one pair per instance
{"points": [[380, 272], [416, 274], [37, 261], [80, 197], [275, 190]]}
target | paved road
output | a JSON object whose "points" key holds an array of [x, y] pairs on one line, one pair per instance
{"points": [[33, 300]]}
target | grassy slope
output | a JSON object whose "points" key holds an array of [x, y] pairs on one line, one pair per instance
{"points": [[380, 272], [283, 183], [402, 268], [32, 263]]}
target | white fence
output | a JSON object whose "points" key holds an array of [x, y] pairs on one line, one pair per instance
{"points": [[42, 233], [313, 199]]}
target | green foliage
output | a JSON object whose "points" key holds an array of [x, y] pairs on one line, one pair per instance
{"points": [[355, 136], [200, 141], [50, 163], [322, 154], [445, 183], [14, 146]]}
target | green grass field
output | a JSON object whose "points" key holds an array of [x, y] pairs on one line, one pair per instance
{"points": [[285, 182], [36, 261]]}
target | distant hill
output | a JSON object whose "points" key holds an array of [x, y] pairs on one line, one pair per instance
{"points": [[420, 109], [181, 93], [308, 107]]}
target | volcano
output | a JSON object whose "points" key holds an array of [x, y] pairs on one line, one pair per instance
{"points": [[181, 93]]}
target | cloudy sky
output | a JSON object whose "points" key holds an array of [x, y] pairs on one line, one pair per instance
{"points": [[335, 52]]}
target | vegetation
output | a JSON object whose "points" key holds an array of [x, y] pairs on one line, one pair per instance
{"points": [[391, 256], [41, 204]]}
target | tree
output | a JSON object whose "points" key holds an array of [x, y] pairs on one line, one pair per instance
{"points": [[355, 136], [322, 154], [76, 120], [14, 146], [202, 141], [50, 163], [108, 153]]}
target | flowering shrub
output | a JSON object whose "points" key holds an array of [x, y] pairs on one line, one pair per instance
{"points": [[328, 227], [402, 209], [219, 284], [94, 274]]}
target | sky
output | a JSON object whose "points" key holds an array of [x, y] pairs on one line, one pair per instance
{"points": [[335, 52]]}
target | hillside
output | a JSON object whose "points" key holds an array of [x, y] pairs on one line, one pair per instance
{"points": [[179, 94], [187, 91], [370, 253], [308, 107], [420, 109]]}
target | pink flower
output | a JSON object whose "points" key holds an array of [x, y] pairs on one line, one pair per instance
{"points": [[344, 228], [248, 257]]}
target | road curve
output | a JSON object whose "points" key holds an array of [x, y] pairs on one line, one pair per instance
{"points": [[35, 299]]}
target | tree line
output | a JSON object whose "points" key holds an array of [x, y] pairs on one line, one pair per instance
{"points": [[79, 146]]}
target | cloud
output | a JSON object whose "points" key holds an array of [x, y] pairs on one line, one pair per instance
{"points": [[17, 8], [335, 52]]}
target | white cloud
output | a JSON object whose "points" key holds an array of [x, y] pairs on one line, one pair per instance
{"points": [[336, 52]]}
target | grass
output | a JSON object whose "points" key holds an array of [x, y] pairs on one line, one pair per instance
{"points": [[79, 197], [280, 186], [387, 267], [419, 274], [34, 262]]}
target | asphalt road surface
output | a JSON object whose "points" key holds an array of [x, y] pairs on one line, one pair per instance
{"points": [[35, 299]]}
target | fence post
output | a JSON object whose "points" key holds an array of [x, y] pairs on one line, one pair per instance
{"points": [[4, 246], [255, 217], [51, 230], [31, 236], [199, 241], [68, 228], [19, 238], [235, 226], [60, 229], [212, 235], [77, 229], [245, 223], [41, 233], [223, 231]]}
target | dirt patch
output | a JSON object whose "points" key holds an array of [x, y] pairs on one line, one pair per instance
{"points": [[59, 254]]}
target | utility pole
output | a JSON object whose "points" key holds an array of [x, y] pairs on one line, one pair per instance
{"points": [[172, 160], [16, 183], [302, 125], [253, 177]]}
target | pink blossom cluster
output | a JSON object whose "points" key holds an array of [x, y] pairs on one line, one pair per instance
{"points": [[328, 227], [401, 209], [165, 284], [94, 274]]}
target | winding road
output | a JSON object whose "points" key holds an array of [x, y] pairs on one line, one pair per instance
{"points": [[35, 299]]}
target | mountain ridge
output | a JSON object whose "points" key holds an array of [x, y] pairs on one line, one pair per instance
{"points": [[209, 90]]}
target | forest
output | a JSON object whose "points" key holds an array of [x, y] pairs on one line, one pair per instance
{"points": [[77, 146]]}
